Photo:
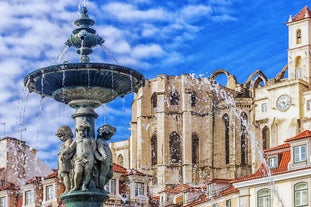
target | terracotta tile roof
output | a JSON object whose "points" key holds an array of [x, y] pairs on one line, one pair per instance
{"points": [[284, 158], [203, 198], [9, 186], [178, 189], [302, 135], [279, 147], [54, 174], [219, 180], [34, 180], [228, 191], [118, 168], [302, 14]]}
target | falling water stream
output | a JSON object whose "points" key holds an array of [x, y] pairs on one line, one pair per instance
{"points": [[229, 100]]}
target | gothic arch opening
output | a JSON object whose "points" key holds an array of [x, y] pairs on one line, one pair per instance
{"points": [[174, 97], [224, 78], [244, 138], [154, 151], [256, 79], [226, 122], [175, 147], [195, 149], [298, 36], [265, 138], [298, 67], [154, 101], [120, 160], [283, 74]]}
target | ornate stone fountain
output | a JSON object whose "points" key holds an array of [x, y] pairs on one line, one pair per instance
{"points": [[84, 86]]}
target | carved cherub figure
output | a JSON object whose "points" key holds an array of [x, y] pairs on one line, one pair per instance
{"points": [[103, 156], [65, 155], [84, 159]]}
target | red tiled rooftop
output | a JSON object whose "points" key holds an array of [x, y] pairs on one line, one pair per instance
{"points": [[284, 157], [302, 135], [282, 146], [178, 189], [8, 186], [34, 179], [54, 174], [118, 168], [302, 14]]}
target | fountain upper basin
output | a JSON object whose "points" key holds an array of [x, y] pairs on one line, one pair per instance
{"points": [[84, 82]]}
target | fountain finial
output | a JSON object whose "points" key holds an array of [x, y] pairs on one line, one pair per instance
{"points": [[84, 38]]}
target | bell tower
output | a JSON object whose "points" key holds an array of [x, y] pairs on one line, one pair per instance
{"points": [[299, 45]]}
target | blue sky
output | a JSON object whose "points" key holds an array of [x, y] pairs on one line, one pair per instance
{"points": [[154, 37]]}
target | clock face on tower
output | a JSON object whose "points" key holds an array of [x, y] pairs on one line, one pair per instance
{"points": [[283, 102]]}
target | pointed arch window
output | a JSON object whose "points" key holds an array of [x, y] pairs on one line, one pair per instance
{"points": [[298, 36], [120, 160], [265, 138], [174, 146], [154, 100], [195, 149], [243, 138], [193, 99], [227, 141], [154, 151], [174, 98], [298, 67]]}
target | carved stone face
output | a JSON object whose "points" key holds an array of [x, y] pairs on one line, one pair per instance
{"points": [[106, 131], [64, 133], [82, 132]]}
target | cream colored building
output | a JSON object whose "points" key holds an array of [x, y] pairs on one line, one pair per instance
{"points": [[186, 129]]}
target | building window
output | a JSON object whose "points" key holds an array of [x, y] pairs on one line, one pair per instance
{"points": [[195, 149], [264, 107], [300, 153], [298, 36], [301, 194], [209, 190], [193, 99], [227, 140], [49, 192], [120, 160], [28, 197], [273, 162], [111, 186], [3, 201], [265, 138], [243, 138], [174, 98], [139, 189], [154, 100], [228, 203], [264, 198], [309, 105], [175, 148], [298, 67], [154, 151]]}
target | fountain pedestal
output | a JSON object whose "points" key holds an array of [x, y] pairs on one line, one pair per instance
{"points": [[84, 199]]}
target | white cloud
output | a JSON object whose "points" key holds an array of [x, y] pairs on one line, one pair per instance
{"points": [[147, 51], [130, 13], [194, 12]]}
